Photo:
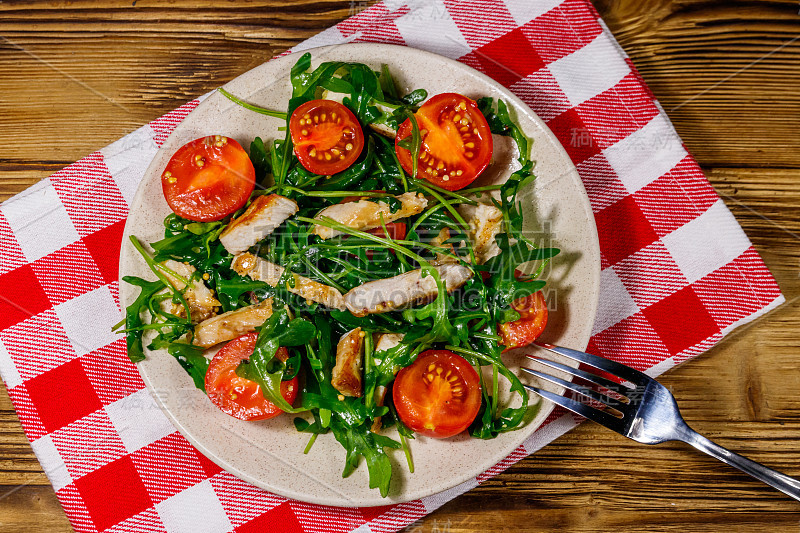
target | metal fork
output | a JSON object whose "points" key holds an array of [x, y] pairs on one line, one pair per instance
{"points": [[649, 413]]}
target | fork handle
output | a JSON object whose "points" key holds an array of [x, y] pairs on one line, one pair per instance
{"points": [[782, 482]]}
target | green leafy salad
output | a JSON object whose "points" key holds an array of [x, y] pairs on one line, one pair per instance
{"points": [[359, 273]]}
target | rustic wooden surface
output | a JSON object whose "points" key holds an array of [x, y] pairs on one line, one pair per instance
{"points": [[75, 76]]}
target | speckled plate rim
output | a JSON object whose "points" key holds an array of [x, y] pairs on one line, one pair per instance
{"points": [[578, 334]]}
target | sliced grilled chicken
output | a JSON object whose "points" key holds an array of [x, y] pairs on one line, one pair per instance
{"points": [[365, 215], [260, 219], [439, 241], [199, 298], [262, 270], [346, 374], [232, 324], [383, 342], [383, 129], [485, 222], [403, 291]]}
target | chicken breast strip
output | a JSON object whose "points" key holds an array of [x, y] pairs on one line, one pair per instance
{"points": [[383, 342], [405, 290], [199, 298], [346, 374], [262, 270], [366, 215], [260, 219], [485, 222], [228, 326]]}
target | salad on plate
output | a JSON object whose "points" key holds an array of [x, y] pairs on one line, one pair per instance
{"points": [[366, 271]]}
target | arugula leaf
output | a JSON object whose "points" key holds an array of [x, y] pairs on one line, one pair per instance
{"points": [[133, 319], [260, 158], [501, 123], [192, 360]]}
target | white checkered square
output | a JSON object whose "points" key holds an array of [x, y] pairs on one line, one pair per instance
{"points": [[40, 221], [87, 319], [706, 243], [524, 11], [128, 158], [616, 303], [435, 501], [8, 369], [646, 154], [195, 509], [428, 26], [51, 461], [138, 420], [582, 75]]}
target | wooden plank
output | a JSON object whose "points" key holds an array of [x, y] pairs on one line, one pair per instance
{"points": [[76, 76]]}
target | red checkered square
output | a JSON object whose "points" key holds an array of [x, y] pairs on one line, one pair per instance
{"points": [[242, 502], [164, 124], [508, 59], [88, 443], [681, 320], [371, 513], [90, 194], [76, 509], [398, 517], [601, 183], [337, 519], [38, 344], [26, 412], [113, 493], [374, 25], [282, 514], [11, 256], [481, 21], [727, 294], [209, 467], [67, 273], [370, 21], [632, 341], [542, 94], [112, 360], [622, 230], [167, 467], [650, 274], [21, 296], [609, 119], [503, 465], [551, 34], [147, 520], [574, 136], [62, 395], [104, 246], [668, 190]]}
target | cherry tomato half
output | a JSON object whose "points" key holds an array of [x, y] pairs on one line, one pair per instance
{"points": [[438, 395], [326, 135], [208, 179], [525, 330], [239, 397], [456, 141]]}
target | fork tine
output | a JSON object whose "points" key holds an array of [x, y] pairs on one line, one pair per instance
{"points": [[601, 363], [589, 393], [611, 422], [588, 376]]}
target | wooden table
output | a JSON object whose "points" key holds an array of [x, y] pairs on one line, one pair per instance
{"points": [[75, 76]]}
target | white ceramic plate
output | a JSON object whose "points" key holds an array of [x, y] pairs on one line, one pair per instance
{"points": [[269, 454]]}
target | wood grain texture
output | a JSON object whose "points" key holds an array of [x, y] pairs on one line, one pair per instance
{"points": [[76, 76]]}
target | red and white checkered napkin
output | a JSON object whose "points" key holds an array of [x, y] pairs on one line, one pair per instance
{"points": [[678, 272]]}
